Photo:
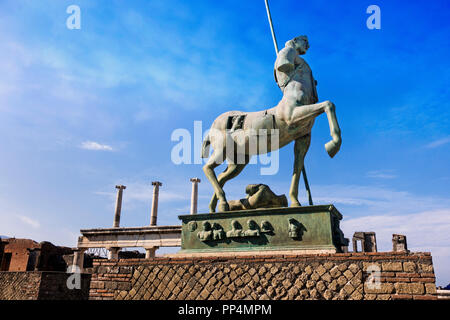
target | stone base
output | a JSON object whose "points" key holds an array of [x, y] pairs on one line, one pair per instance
{"points": [[340, 276], [313, 229], [232, 254]]}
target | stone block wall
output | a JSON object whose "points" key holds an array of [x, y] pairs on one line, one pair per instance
{"points": [[37, 285], [301, 277]]}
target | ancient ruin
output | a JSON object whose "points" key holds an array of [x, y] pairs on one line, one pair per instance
{"points": [[261, 247]]}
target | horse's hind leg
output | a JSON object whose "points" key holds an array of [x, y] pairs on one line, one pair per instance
{"points": [[214, 161], [301, 147], [220, 179], [231, 172]]}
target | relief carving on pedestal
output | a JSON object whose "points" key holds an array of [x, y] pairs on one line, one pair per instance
{"points": [[206, 234]]}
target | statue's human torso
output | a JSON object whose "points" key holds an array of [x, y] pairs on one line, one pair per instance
{"points": [[300, 79], [303, 75]]}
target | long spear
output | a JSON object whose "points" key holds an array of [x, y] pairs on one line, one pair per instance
{"points": [[305, 179], [271, 27]]}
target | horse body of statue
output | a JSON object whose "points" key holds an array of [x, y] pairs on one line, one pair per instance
{"points": [[290, 120]]}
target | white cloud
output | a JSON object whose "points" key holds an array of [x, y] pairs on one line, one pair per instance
{"points": [[438, 143], [31, 222], [92, 145]]}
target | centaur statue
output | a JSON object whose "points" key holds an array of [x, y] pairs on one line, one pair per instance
{"points": [[290, 120]]}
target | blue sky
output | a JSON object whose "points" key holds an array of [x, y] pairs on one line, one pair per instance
{"points": [[84, 110]]}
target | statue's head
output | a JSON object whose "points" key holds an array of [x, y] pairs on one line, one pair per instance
{"points": [[235, 224], [252, 225], [299, 43], [206, 226], [251, 189]]}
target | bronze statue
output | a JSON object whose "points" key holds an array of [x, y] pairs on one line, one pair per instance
{"points": [[290, 120]]}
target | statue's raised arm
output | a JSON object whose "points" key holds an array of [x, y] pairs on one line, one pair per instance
{"points": [[286, 60]]}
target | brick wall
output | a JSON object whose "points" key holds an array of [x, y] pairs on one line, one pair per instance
{"points": [[18, 249], [327, 276], [15, 256], [36, 285], [19, 285]]}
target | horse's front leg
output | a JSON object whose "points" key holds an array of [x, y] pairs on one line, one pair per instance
{"points": [[301, 147], [334, 145], [302, 113]]}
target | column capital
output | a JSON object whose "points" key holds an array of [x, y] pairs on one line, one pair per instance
{"points": [[156, 183], [121, 187], [195, 180]]}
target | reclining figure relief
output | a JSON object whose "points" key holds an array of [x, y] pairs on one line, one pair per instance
{"points": [[258, 196]]}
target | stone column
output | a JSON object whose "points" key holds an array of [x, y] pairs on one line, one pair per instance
{"points": [[78, 259], [150, 252], [194, 195], [370, 242], [399, 243], [120, 189], [113, 253], [355, 245], [154, 214], [358, 236]]}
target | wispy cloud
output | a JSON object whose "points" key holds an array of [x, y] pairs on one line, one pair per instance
{"points": [[38, 227], [92, 145], [381, 174], [31, 222], [438, 143]]}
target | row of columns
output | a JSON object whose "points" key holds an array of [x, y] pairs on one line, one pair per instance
{"points": [[154, 212], [78, 256], [149, 252]]}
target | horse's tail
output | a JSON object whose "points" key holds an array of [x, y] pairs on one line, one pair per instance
{"points": [[205, 147]]}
